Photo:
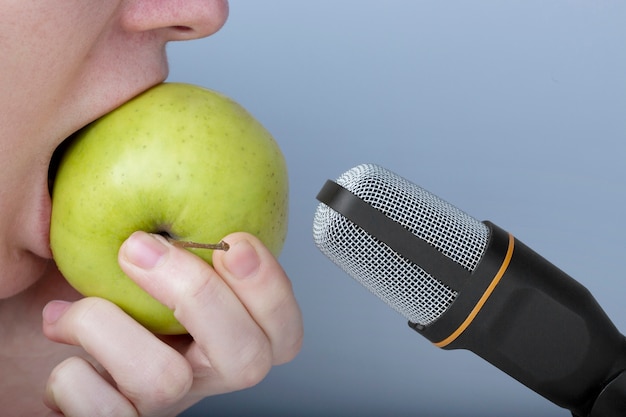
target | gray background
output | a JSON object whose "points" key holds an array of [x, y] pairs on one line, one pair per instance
{"points": [[515, 111]]}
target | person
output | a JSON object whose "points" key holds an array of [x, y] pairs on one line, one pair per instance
{"points": [[65, 63]]}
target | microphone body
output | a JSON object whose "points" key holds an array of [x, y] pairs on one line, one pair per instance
{"points": [[466, 284]]}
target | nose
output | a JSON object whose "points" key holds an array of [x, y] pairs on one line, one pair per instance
{"points": [[176, 19]]}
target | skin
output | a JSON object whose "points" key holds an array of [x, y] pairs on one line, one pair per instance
{"points": [[65, 63]]}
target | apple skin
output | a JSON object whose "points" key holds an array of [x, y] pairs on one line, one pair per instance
{"points": [[177, 159]]}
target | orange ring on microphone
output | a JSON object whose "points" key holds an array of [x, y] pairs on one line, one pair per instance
{"points": [[483, 299]]}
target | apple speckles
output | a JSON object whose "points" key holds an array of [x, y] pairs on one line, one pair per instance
{"points": [[183, 160]]}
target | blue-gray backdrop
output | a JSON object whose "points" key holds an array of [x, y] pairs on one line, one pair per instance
{"points": [[515, 111]]}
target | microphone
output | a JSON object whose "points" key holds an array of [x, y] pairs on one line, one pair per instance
{"points": [[467, 284]]}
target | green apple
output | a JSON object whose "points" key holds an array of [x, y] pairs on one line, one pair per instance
{"points": [[179, 160]]}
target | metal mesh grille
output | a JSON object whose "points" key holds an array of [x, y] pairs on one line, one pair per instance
{"points": [[400, 283]]}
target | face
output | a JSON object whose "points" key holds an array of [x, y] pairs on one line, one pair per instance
{"points": [[65, 63]]}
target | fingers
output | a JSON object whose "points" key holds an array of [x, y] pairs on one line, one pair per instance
{"points": [[231, 352], [149, 375], [262, 286], [242, 314]]}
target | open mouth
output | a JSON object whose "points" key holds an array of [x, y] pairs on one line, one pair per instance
{"points": [[57, 155]]}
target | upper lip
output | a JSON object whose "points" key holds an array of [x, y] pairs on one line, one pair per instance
{"points": [[58, 152], [55, 159]]}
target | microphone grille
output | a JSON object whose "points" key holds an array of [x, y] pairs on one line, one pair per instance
{"points": [[405, 286]]}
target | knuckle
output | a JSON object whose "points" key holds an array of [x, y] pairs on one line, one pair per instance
{"points": [[292, 350], [71, 385], [88, 310], [79, 324], [196, 280], [251, 370], [62, 374], [205, 287], [165, 381], [287, 331]]}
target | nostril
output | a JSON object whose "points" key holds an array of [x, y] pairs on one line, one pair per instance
{"points": [[183, 28]]}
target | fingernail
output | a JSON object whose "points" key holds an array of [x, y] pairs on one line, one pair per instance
{"points": [[54, 310], [242, 260], [145, 250]]}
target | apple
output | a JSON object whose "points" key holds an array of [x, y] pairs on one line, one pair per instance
{"points": [[179, 160]]}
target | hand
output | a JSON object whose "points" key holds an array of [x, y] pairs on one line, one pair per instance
{"points": [[241, 315]]}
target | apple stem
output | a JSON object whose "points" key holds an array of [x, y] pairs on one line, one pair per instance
{"points": [[185, 244]]}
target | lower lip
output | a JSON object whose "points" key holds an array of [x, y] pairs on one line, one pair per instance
{"points": [[42, 242]]}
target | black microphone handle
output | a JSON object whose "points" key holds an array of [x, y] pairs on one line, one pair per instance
{"points": [[612, 400], [537, 324], [510, 305]]}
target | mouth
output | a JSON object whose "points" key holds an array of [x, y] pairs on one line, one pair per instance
{"points": [[45, 211], [56, 158], [58, 153], [45, 207]]}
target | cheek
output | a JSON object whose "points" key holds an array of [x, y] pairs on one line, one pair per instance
{"points": [[42, 48]]}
